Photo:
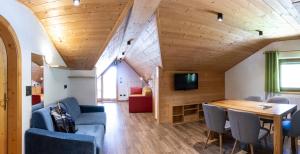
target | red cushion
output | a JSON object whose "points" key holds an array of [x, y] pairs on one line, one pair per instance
{"points": [[36, 99], [136, 90]]}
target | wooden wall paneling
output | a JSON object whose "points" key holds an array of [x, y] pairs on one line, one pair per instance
{"points": [[211, 87]]}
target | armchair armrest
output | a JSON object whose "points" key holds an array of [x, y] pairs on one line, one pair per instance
{"points": [[40, 141], [90, 108]]}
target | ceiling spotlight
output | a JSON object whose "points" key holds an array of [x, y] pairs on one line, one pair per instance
{"points": [[76, 2], [220, 16], [260, 33]]}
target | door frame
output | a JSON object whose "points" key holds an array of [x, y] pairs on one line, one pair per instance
{"points": [[14, 87]]}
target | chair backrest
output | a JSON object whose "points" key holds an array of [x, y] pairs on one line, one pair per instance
{"points": [[296, 124], [244, 126], [278, 100], [254, 98], [215, 118]]}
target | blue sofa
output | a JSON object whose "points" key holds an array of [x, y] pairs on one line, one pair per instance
{"points": [[90, 121]]}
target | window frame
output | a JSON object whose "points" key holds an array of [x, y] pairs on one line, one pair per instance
{"points": [[287, 61]]}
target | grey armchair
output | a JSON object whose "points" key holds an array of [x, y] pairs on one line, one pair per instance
{"points": [[215, 119], [245, 128], [291, 128], [254, 98], [275, 100]]}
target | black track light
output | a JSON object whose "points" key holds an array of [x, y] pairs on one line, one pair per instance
{"points": [[220, 16], [260, 33]]}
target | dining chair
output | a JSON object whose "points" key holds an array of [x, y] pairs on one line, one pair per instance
{"points": [[254, 98], [245, 128], [278, 100], [291, 128], [275, 100], [215, 119]]}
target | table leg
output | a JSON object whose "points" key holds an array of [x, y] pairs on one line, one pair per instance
{"points": [[277, 139]]}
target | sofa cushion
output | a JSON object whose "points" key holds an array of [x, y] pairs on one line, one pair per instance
{"points": [[147, 91], [91, 118], [97, 131], [72, 107], [136, 90], [42, 119]]}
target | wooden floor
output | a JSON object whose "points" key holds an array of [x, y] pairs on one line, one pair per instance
{"points": [[135, 133]]}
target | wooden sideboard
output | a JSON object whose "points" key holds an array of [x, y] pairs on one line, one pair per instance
{"points": [[186, 113]]}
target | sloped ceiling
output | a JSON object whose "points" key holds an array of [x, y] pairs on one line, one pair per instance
{"points": [[144, 55], [191, 38], [80, 33], [189, 35]]}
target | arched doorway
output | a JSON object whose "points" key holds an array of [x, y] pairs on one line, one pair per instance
{"points": [[13, 109]]}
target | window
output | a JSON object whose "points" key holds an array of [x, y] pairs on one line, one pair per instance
{"points": [[289, 74]]}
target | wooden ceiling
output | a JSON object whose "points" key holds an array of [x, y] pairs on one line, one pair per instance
{"points": [[189, 35], [144, 55], [191, 38], [80, 33]]}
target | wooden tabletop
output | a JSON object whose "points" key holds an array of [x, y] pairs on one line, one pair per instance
{"points": [[250, 106]]}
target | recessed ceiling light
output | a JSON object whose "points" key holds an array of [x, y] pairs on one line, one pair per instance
{"points": [[76, 2], [220, 16]]}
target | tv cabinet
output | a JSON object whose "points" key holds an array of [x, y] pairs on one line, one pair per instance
{"points": [[186, 113]]}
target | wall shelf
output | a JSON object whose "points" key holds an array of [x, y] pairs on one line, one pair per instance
{"points": [[186, 113]]}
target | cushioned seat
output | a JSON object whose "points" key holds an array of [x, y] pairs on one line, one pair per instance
{"points": [[93, 130], [286, 127], [91, 118]]}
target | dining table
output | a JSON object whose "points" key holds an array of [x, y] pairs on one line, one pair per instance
{"points": [[272, 111]]}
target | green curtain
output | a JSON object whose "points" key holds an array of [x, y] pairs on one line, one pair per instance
{"points": [[272, 73]]}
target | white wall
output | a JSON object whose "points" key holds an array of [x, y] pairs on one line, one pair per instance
{"points": [[127, 78], [32, 38], [248, 77], [83, 86], [54, 82]]}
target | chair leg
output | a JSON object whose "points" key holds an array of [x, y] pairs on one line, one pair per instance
{"points": [[221, 144], [266, 142], [293, 144], [208, 136], [270, 127], [263, 125], [251, 148], [235, 142]]}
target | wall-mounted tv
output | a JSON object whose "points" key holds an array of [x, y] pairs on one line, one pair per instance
{"points": [[186, 81]]}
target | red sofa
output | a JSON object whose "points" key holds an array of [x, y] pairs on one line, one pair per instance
{"points": [[35, 99], [139, 102]]}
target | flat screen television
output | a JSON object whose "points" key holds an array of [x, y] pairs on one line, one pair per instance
{"points": [[186, 81]]}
